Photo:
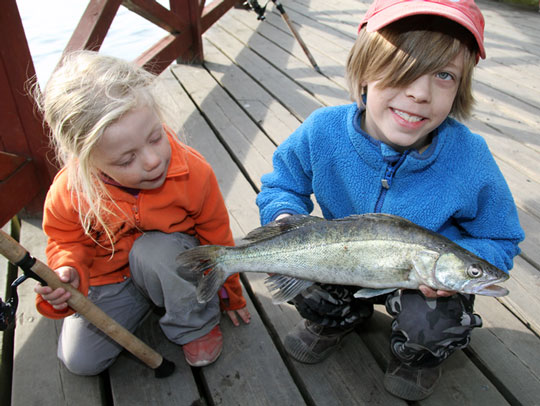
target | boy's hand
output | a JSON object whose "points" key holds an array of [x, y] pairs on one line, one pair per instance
{"points": [[432, 293], [58, 297], [243, 313]]}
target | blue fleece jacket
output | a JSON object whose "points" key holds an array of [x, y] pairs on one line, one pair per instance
{"points": [[454, 187]]}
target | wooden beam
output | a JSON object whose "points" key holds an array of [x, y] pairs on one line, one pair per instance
{"points": [[93, 25], [157, 58], [18, 186], [214, 11], [157, 14]]}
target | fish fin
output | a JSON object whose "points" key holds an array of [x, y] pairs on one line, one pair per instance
{"points": [[209, 284], [366, 293], [424, 264], [199, 260], [284, 288], [281, 226]]}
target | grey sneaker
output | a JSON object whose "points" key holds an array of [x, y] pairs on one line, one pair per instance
{"points": [[311, 343], [410, 383]]}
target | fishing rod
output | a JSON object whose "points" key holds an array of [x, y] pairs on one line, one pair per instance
{"points": [[35, 269], [260, 11]]}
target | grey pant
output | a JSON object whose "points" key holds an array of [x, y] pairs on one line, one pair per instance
{"points": [[424, 331], [156, 280]]}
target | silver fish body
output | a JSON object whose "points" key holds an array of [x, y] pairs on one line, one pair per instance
{"points": [[378, 252]]}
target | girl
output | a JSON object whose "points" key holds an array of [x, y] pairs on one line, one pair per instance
{"points": [[128, 199], [396, 150]]}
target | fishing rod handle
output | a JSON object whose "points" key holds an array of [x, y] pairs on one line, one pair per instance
{"points": [[15, 253]]}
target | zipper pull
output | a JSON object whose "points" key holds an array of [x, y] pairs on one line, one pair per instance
{"points": [[385, 183]]}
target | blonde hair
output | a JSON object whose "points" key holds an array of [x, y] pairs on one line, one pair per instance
{"points": [[83, 97], [401, 52]]}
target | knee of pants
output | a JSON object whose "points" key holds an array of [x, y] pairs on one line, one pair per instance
{"points": [[157, 251], [88, 365], [430, 328]]}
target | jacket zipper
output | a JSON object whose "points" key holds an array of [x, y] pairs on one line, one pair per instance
{"points": [[387, 179]]}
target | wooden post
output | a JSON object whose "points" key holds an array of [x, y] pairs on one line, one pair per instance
{"points": [[190, 10], [21, 126]]}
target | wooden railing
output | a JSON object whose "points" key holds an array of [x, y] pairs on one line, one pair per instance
{"points": [[26, 171]]}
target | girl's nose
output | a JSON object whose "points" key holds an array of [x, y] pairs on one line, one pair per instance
{"points": [[151, 159], [420, 89]]}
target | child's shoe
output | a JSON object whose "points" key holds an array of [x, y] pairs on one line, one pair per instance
{"points": [[204, 350], [311, 343], [410, 383]]}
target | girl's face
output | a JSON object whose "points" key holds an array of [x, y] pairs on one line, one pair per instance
{"points": [[134, 151], [403, 117]]}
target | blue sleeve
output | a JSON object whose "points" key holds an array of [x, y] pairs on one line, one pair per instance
{"points": [[490, 225], [288, 188]]}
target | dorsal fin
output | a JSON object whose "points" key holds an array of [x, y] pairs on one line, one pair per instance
{"points": [[281, 226]]}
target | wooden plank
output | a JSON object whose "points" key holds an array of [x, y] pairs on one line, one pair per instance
{"points": [[523, 300], [509, 351], [249, 370], [35, 347], [317, 85], [248, 144], [289, 93], [133, 383], [270, 115]]}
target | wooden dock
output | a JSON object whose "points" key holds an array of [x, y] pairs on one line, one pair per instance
{"points": [[255, 87]]}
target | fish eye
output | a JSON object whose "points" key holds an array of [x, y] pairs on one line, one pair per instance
{"points": [[474, 271]]}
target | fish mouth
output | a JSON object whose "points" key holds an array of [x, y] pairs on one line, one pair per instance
{"points": [[489, 289]]}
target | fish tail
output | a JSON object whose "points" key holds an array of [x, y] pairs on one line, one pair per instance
{"points": [[200, 260]]}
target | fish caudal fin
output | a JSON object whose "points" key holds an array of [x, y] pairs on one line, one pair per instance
{"points": [[284, 288], [199, 260]]}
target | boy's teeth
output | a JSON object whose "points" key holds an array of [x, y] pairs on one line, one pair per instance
{"points": [[408, 117]]}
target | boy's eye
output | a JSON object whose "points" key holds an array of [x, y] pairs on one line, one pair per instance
{"points": [[445, 76]]}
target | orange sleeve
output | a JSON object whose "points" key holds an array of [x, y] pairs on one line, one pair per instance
{"points": [[67, 244]]}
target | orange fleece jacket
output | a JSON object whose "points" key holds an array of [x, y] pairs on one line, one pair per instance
{"points": [[189, 201]]}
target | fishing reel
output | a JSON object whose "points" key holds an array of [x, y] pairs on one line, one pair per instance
{"points": [[9, 307]]}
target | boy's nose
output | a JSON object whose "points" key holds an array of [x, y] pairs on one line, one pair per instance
{"points": [[420, 89]]}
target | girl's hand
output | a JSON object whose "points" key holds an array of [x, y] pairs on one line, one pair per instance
{"points": [[58, 297], [432, 293], [243, 313]]}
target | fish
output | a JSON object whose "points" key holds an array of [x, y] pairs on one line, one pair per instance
{"points": [[376, 252]]}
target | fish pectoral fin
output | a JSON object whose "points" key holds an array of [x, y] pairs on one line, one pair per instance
{"points": [[366, 293], [284, 288], [424, 263]]}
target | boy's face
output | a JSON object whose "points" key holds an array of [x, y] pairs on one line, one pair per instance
{"points": [[134, 151], [403, 117]]}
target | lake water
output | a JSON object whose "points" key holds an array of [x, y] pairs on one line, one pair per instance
{"points": [[48, 25]]}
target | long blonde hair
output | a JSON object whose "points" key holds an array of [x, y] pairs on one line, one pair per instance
{"points": [[85, 95], [401, 52]]}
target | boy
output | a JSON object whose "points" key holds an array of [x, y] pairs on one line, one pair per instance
{"points": [[397, 151]]}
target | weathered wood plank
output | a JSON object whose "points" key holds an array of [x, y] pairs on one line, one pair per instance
{"points": [[509, 351], [249, 370], [39, 378], [133, 383]]}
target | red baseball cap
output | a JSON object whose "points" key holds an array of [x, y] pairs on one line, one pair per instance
{"points": [[464, 12]]}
